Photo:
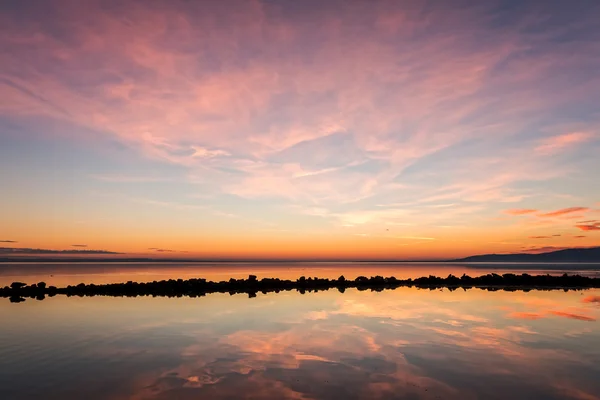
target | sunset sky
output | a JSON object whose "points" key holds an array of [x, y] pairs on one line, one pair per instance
{"points": [[307, 129]]}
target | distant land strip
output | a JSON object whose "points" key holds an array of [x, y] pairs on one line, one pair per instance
{"points": [[18, 255], [18, 291]]}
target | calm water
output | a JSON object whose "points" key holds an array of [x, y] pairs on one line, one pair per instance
{"points": [[72, 274], [400, 344]]}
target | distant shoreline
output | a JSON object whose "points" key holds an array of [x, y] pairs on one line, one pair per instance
{"points": [[25, 259], [226, 261], [589, 255], [18, 291]]}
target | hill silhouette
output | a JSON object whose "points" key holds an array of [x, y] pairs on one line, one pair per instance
{"points": [[591, 254], [574, 255]]}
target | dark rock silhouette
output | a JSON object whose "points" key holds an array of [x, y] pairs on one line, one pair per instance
{"points": [[17, 285], [196, 287]]}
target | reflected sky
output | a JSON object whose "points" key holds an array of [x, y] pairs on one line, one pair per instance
{"points": [[400, 344]]}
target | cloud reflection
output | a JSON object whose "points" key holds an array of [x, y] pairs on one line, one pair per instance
{"points": [[385, 345]]}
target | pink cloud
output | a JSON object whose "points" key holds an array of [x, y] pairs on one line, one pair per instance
{"points": [[561, 142], [223, 90], [564, 211], [520, 211], [589, 227]]}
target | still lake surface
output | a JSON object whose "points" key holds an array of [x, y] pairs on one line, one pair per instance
{"points": [[395, 344]]}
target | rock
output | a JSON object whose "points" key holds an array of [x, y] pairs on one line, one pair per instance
{"points": [[17, 285]]}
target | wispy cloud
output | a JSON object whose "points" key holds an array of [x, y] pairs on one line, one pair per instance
{"points": [[590, 226], [564, 211], [79, 245], [415, 237], [520, 211], [167, 204], [203, 152], [159, 250], [24, 250], [561, 142], [443, 112], [128, 178], [8, 241]]}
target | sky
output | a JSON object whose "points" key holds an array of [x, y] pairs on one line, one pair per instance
{"points": [[299, 129]]}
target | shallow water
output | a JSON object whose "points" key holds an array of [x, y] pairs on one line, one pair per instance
{"points": [[63, 274], [396, 344]]}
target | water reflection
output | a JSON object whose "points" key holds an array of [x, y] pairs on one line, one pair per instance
{"points": [[402, 344]]}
